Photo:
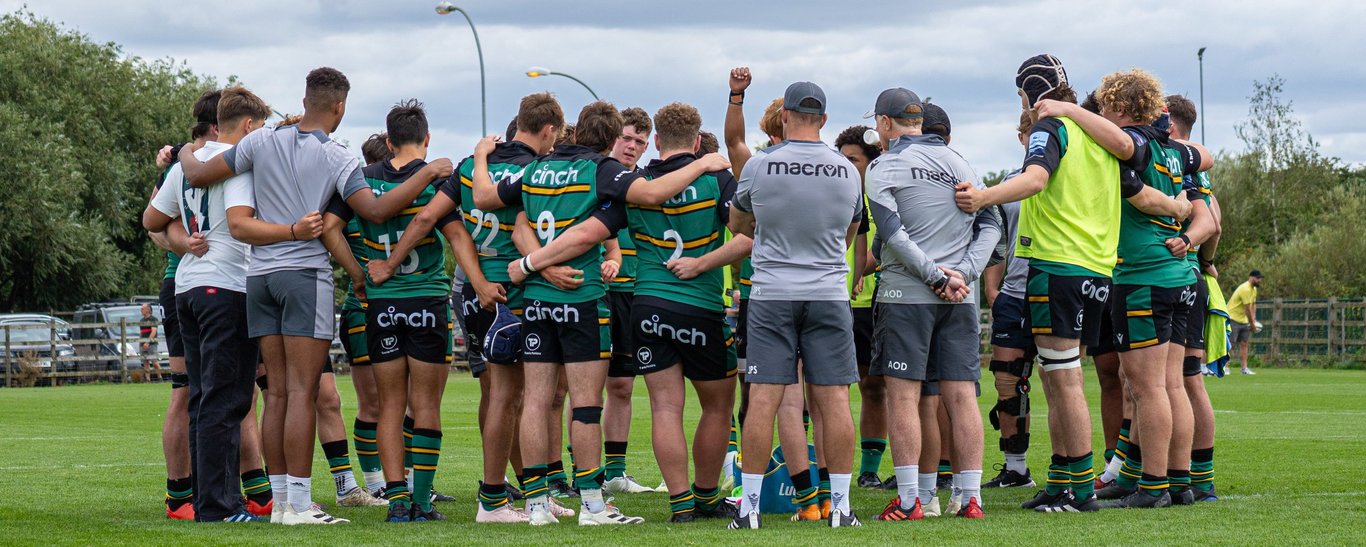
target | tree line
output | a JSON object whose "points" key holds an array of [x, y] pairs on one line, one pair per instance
{"points": [[80, 122]]}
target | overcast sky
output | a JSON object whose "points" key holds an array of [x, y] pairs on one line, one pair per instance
{"points": [[962, 54]]}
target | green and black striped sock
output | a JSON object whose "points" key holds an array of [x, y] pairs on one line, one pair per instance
{"points": [[1153, 485], [179, 492], [707, 498], [492, 496], [1058, 478], [871, 458], [1081, 470], [426, 453], [1131, 471], [256, 486], [682, 503], [1202, 469]]}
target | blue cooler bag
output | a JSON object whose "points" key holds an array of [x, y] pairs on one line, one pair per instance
{"points": [[776, 496]]}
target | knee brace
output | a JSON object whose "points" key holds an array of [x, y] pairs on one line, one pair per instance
{"points": [[587, 414], [1191, 366], [179, 380], [1053, 360], [261, 382], [1016, 444]]}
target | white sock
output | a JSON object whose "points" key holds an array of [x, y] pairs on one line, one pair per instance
{"points": [[751, 485], [969, 484], [374, 480], [539, 502], [300, 493], [839, 492], [345, 481], [906, 485], [279, 490], [592, 500], [1112, 469], [926, 483], [1016, 463]]}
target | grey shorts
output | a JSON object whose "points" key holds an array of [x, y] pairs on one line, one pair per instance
{"points": [[821, 332], [1241, 332], [292, 303], [927, 342]]}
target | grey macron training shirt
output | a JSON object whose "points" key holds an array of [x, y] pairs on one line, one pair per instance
{"points": [[911, 197], [803, 195], [1017, 267], [293, 174]]}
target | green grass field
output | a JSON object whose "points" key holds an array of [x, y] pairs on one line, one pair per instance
{"points": [[83, 465]]}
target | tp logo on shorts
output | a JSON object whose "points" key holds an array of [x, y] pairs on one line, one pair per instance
{"points": [[1081, 317], [644, 355], [533, 342], [389, 342]]}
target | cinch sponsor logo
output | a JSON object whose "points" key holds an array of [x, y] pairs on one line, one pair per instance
{"points": [[692, 337], [392, 318], [688, 194], [807, 169], [1099, 293], [563, 313], [1188, 296], [506, 175], [545, 176], [935, 176]]}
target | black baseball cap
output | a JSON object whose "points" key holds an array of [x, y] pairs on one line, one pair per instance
{"points": [[935, 116], [801, 91], [897, 102], [1039, 75], [1255, 273]]}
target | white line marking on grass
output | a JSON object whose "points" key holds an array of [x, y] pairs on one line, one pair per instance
{"points": [[1308, 412], [1278, 496], [80, 466]]}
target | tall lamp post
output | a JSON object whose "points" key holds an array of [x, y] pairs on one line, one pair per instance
{"points": [[1200, 56], [446, 8], [537, 72]]}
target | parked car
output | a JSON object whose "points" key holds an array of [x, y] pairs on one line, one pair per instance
{"points": [[30, 335], [119, 349]]}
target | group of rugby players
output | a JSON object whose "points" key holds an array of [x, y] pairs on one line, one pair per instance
{"points": [[579, 270]]}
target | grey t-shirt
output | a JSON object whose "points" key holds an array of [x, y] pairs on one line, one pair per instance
{"points": [[804, 196], [911, 195], [294, 174], [1017, 268]]}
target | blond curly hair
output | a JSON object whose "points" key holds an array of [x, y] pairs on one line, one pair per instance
{"points": [[1134, 93]]}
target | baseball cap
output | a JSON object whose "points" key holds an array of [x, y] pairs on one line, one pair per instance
{"points": [[897, 102], [801, 91], [1039, 75], [1255, 273], [503, 343], [935, 116]]}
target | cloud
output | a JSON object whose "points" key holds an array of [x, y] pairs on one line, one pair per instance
{"points": [[647, 54]]}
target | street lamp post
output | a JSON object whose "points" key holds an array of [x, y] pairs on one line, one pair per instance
{"points": [[445, 8], [1200, 55], [536, 72]]}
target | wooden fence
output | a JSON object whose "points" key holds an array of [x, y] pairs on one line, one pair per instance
{"points": [[1304, 330]]}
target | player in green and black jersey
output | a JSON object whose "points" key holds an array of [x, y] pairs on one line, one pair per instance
{"points": [[408, 321], [567, 324], [1153, 288], [539, 122], [678, 321], [1069, 229], [619, 270], [1201, 241]]}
